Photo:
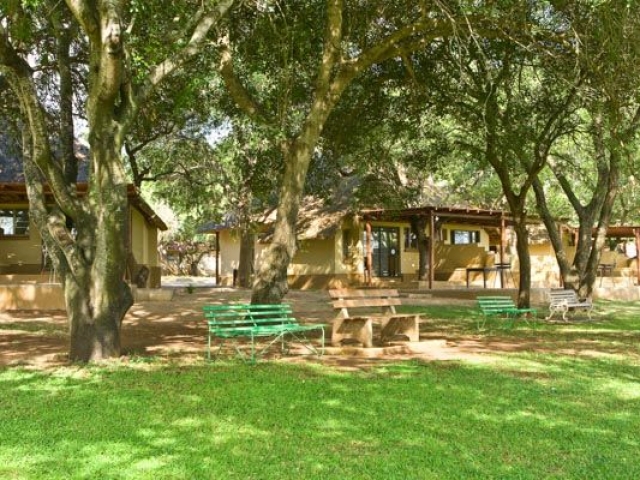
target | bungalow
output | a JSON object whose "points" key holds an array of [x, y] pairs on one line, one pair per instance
{"points": [[338, 247], [27, 279], [22, 254]]}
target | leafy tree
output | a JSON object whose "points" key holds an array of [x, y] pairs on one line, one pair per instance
{"points": [[120, 76], [605, 42], [308, 82], [502, 93]]}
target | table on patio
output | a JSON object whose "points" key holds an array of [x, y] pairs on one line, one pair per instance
{"points": [[498, 267], [605, 270]]}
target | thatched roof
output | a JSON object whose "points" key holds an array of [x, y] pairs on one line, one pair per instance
{"points": [[12, 186], [317, 219]]}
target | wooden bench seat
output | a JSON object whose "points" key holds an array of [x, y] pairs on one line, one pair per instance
{"points": [[250, 322], [358, 309], [566, 300], [500, 306]]}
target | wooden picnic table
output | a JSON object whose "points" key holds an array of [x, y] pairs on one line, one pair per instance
{"points": [[359, 326]]}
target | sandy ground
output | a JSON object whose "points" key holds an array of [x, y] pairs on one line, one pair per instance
{"points": [[175, 330]]}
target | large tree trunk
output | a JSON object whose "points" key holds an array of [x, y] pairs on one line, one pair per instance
{"points": [[100, 297], [524, 258], [418, 228], [247, 254], [270, 284], [95, 332], [91, 266]]}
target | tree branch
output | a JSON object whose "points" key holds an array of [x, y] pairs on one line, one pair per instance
{"points": [[86, 17], [193, 47], [235, 88], [19, 77]]}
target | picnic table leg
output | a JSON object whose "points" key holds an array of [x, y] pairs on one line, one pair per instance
{"points": [[366, 334], [407, 326], [356, 328]]}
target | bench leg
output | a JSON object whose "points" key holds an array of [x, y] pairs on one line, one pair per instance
{"points": [[357, 328], [553, 310], [301, 337], [482, 320], [218, 350]]}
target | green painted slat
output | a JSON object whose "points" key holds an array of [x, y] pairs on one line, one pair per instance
{"points": [[246, 320]]}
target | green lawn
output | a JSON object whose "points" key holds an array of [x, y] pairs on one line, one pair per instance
{"points": [[542, 413]]}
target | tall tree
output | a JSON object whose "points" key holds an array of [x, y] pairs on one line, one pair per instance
{"points": [[310, 83], [509, 111], [91, 260], [605, 51]]}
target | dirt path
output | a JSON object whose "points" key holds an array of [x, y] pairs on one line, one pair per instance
{"points": [[175, 329]]}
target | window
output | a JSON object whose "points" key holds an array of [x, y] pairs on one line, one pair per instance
{"points": [[346, 244], [410, 240], [464, 237], [14, 222]]}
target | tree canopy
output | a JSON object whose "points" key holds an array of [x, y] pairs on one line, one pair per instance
{"points": [[231, 106]]}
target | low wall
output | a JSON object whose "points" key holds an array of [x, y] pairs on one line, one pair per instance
{"points": [[31, 296], [152, 294], [49, 296], [624, 293]]}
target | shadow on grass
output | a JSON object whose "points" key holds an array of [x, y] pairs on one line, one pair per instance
{"points": [[538, 417]]}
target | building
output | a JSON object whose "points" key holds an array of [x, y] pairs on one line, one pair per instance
{"points": [[338, 246], [27, 279]]}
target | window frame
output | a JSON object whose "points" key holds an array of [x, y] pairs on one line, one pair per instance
{"points": [[473, 237], [23, 225], [410, 240]]}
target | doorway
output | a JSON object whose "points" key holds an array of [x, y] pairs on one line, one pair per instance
{"points": [[385, 250]]}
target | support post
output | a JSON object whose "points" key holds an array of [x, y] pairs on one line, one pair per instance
{"points": [[368, 268], [217, 259], [432, 233], [636, 233], [502, 230]]}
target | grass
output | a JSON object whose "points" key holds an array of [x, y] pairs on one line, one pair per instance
{"points": [[613, 330], [539, 413], [43, 328]]}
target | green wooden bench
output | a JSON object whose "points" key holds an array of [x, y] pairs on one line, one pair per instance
{"points": [[241, 322], [500, 306]]}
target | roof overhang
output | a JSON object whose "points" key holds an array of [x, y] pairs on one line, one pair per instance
{"points": [[16, 193], [622, 231], [467, 215]]}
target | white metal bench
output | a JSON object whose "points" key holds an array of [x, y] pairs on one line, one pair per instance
{"points": [[566, 300]]}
